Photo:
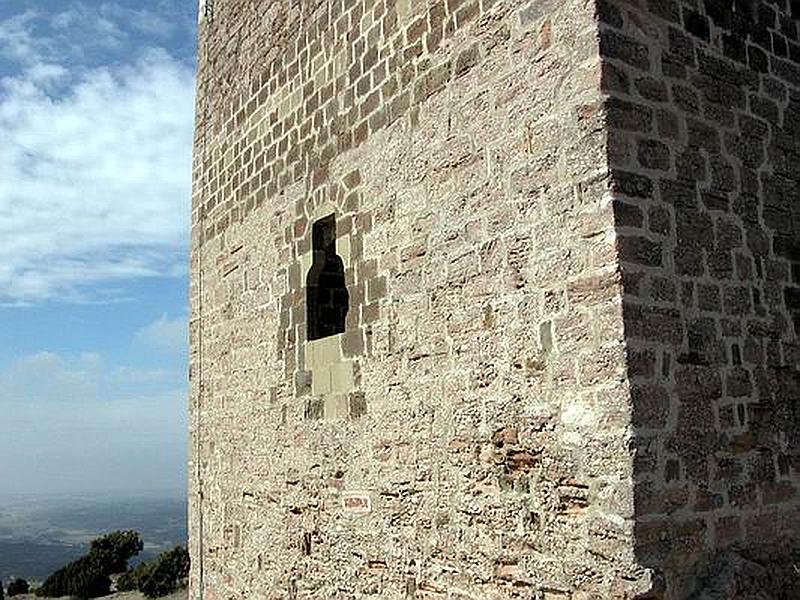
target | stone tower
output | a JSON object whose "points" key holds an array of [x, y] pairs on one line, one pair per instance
{"points": [[493, 299]]}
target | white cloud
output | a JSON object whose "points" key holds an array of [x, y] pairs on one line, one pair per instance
{"points": [[80, 17], [47, 378], [141, 20], [95, 165], [166, 335], [17, 41], [69, 35]]}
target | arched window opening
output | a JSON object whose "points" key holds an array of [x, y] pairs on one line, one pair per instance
{"points": [[327, 300]]}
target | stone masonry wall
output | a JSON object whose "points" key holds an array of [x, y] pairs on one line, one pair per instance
{"points": [[704, 144], [467, 436]]}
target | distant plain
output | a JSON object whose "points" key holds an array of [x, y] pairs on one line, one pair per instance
{"points": [[38, 536]]}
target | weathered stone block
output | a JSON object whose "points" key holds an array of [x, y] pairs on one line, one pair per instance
{"points": [[640, 250], [617, 45], [629, 116], [654, 323]]}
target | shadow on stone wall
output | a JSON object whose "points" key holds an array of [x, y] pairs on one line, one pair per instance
{"points": [[703, 145]]}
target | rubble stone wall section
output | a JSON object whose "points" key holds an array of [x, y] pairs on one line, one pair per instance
{"points": [[704, 147], [475, 445]]}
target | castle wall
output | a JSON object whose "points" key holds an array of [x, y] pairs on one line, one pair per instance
{"points": [[704, 143], [467, 436]]}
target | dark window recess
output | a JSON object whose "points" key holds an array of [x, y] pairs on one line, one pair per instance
{"points": [[327, 300]]}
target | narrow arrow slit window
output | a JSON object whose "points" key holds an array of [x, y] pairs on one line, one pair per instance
{"points": [[327, 299]]}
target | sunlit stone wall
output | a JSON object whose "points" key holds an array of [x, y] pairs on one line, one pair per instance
{"points": [[516, 407]]}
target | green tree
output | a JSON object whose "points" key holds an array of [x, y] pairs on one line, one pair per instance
{"points": [[88, 576], [82, 578], [113, 550], [130, 581], [161, 576], [17, 587]]}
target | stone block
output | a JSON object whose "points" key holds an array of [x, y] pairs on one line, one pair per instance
{"points": [[654, 323], [651, 406], [358, 404], [321, 380], [640, 250], [336, 407], [342, 377], [653, 154], [315, 408], [629, 116], [631, 184], [614, 44]]}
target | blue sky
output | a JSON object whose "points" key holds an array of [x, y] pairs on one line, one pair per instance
{"points": [[96, 113]]}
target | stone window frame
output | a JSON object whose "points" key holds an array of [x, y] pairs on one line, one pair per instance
{"points": [[326, 372]]}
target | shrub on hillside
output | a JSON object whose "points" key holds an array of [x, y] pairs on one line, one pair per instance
{"points": [[88, 577], [130, 581], [82, 578], [161, 576], [1, 589], [17, 587]]}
